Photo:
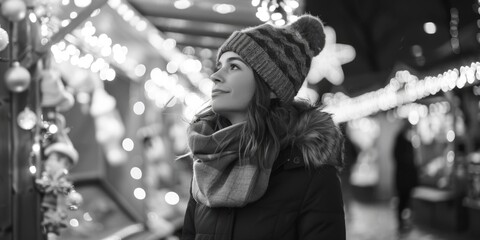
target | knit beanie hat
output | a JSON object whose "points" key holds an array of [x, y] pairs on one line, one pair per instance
{"points": [[281, 56]]}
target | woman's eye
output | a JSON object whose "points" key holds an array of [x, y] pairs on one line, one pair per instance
{"points": [[233, 66]]}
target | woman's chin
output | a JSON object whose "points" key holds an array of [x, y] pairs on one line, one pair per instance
{"points": [[218, 109]]}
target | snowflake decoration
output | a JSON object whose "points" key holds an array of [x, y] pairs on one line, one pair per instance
{"points": [[328, 64]]}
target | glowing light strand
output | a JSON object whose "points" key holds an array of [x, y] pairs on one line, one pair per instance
{"points": [[403, 88], [279, 12]]}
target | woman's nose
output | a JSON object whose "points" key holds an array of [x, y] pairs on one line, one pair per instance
{"points": [[216, 77]]}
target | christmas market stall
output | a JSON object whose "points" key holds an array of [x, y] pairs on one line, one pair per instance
{"points": [[94, 103]]}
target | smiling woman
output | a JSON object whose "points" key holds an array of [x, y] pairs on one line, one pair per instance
{"points": [[234, 87], [265, 165]]}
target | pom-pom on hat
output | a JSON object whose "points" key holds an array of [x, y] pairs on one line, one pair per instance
{"points": [[281, 56]]}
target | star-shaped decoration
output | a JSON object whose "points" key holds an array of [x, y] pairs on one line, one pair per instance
{"points": [[328, 63]]}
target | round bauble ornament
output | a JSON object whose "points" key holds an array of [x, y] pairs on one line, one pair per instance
{"points": [[14, 10], [73, 200], [17, 78], [52, 236], [27, 119], [3, 39]]}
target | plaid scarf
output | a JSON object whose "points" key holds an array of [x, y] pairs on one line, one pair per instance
{"points": [[218, 178]]}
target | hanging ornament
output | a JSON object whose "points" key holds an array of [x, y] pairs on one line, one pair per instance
{"points": [[73, 200], [14, 10], [52, 236], [3, 39], [17, 78], [63, 153], [27, 119], [54, 220], [54, 93]]}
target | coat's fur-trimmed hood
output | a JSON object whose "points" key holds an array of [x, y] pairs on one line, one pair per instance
{"points": [[317, 137]]}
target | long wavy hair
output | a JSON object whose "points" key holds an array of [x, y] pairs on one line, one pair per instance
{"points": [[266, 128]]}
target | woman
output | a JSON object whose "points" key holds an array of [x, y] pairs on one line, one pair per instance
{"points": [[265, 166]]}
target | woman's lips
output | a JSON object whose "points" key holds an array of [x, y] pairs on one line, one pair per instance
{"points": [[217, 92]]}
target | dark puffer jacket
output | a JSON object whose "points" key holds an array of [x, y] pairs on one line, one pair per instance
{"points": [[300, 202]]}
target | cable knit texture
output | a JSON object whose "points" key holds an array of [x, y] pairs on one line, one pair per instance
{"points": [[281, 56]]}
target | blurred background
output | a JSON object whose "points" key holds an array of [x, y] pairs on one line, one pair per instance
{"points": [[96, 97]]}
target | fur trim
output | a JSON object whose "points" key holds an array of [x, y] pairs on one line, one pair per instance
{"points": [[317, 137]]}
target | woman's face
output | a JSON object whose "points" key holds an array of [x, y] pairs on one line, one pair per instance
{"points": [[234, 87]]}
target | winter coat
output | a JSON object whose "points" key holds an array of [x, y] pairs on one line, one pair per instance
{"points": [[301, 202]]}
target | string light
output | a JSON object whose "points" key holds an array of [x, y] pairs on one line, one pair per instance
{"points": [[478, 21], [136, 173], [82, 3], [172, 198], [404, 88], [430, 28], [139, 193], [454, 20], [53, 128], [139, 108], [279, 12], [182, 4], [140, 70], [167, 47], [105, 57], [74, 222], [224, 8], [128, 144], [450, 135]]}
